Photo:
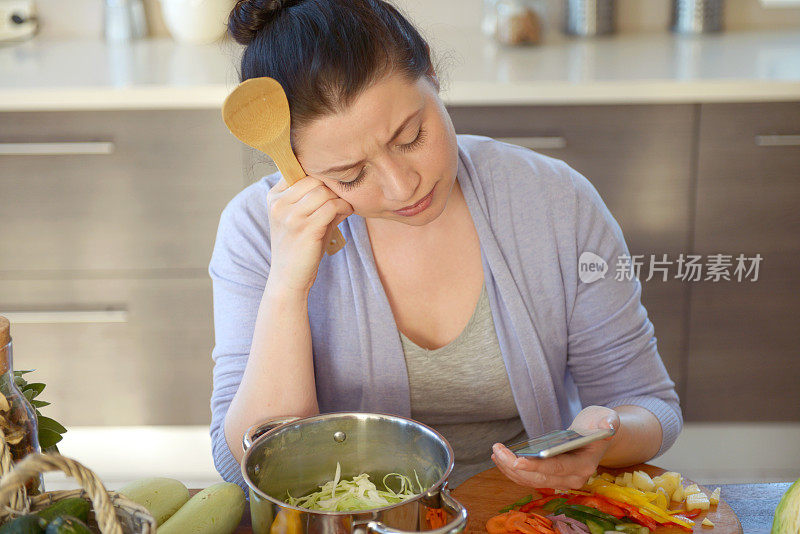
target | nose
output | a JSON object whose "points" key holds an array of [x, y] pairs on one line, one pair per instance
{"points": [[400, 180]]}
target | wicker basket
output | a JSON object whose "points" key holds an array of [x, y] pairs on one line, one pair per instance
{"points": [[112, 513]]}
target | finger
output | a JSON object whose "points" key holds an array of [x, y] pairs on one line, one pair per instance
{"points": [[563, 465], [315, 199], [538, 480], [326, 214], [280, 186], [298, 190], [579, 463]]}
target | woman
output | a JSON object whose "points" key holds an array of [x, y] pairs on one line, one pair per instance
{"points": [[456, 300]]}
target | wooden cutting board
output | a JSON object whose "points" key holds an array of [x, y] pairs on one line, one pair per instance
{"points": [[487, 492]]}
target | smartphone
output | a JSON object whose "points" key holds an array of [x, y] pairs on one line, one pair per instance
{"points": [[554, 443]]}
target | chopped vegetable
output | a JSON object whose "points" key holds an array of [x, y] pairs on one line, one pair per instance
{"points": [[513, 521], [642, 481], [697, 500], [523, 501], [639, 500], [707, 523], [436, 518], [555, 503], [714, 499], [540, 503], [355, 495], [599, 505], [566, 525], [691, 490]]}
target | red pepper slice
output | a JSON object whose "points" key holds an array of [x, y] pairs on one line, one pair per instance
{"points": [[538, 503], [693, 513], [634, 513], [598, 504]]}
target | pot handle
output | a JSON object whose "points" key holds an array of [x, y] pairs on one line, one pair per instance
{"points": [[446, 501], [259, 429]]}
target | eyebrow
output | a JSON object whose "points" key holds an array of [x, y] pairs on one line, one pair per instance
{"points": [[399, 129]]}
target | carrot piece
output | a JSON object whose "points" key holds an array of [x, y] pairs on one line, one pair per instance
{"points": [[540, 523], [519, 522], [497, 524], [436, 518]]}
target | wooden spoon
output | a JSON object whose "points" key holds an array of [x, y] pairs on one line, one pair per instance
{"points": [[257, 113]]}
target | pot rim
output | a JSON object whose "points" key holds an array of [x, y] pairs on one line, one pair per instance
{"points": [[434, 488]]}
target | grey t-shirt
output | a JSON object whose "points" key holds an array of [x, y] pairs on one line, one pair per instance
{"points": [[462, 390]]}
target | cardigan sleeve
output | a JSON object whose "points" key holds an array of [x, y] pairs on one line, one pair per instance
{"points": [[612, 352], [239, 267]]}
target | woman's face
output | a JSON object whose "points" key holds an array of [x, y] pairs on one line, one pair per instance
{"points": [[392, 154]]}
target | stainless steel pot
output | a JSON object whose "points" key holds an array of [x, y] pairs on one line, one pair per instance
{"points": [[296, 456]]}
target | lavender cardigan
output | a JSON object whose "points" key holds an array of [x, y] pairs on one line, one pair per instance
{"points": [[565, 343]]}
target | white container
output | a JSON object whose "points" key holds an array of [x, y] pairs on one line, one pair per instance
{"points": [[196, 21]]}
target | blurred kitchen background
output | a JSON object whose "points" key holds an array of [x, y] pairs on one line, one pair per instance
{"points": [[115, 165]]}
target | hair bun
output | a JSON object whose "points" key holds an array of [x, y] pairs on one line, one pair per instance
{"points": [[248, 17]]}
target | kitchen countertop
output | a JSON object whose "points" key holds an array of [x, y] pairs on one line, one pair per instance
{"points": [[88, 74], [754, 505]]}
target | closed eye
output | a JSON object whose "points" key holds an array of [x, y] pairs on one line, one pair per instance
{"points": [[415, 143], [355, 182]]}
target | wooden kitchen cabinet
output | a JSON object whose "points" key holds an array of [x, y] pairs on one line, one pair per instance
{"points": [[640, 160], [744, 340], [126, 191], [108, 224], [116, 351]]}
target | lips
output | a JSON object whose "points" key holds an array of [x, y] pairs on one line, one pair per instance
{"points": [[417, 208]]}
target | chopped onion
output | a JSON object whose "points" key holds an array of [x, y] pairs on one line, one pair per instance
{"points": [[357, 494], [573, 524]]}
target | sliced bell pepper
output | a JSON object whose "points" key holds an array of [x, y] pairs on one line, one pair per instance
{"points": [[538, 503], [599, 504]]}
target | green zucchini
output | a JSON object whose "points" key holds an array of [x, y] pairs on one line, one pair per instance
{"points": [[161, 496], [215, 510]]}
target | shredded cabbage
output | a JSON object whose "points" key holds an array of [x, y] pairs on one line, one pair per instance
{"points": [[357, 494]]}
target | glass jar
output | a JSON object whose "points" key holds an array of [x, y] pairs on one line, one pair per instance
{"points": [[17, 417], [513, 22]]}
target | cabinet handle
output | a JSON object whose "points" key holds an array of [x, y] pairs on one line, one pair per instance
{"points": [[66, 316], [56, 149], [778, 140], [537, 143]]}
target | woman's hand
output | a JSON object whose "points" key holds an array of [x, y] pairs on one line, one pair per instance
{"points": [[569, 470], [300, 216]]}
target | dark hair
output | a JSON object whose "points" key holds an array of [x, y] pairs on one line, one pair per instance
{"points": [[325, 52]]}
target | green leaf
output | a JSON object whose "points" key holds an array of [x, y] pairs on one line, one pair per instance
{"points": [[36, 387], [23, 372], [48, 438], [39, 404], [20, 382], [29, 394], [51, 424]]}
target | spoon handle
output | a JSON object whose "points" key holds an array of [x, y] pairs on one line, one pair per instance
{"points": [[290, 168]]}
